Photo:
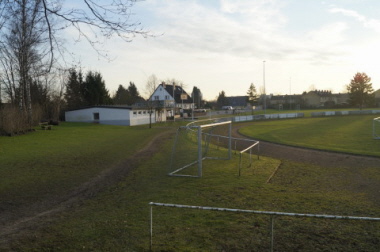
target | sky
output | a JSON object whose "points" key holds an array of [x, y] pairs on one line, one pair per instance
{"points": [[281, 46]]}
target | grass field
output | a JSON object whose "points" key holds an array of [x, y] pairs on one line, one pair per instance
{"points": [[349, 134], [43, 164], [118, 218]]}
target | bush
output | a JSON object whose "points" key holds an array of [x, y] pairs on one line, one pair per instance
{"points": [[13, 121]]}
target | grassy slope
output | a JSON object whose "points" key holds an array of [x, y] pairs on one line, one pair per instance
{"points": [[118, 219], [36, 166], [350, 134]]}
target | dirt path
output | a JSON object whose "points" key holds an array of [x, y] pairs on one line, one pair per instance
{"points": [[16, 222]]}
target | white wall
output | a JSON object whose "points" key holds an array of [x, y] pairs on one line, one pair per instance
{"points": [[111, 116]]}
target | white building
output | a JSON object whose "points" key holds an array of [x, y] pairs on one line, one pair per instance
{"points": [[172, 96], [112, 115]]}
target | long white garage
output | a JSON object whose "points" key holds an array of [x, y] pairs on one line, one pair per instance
{"points": [[112, 115]]}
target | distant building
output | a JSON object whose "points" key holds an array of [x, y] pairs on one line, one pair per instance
{"points": [[284, 101], [237, 101], [321, 98]]}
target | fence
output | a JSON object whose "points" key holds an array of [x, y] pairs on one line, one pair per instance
{"points": [[271, 214], [345, 112], [266, 117]]}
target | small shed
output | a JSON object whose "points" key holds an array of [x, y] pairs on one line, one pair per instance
{"points": [[112, 115]]}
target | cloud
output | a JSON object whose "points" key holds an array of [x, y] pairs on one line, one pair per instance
{"points": [[373, 24]]}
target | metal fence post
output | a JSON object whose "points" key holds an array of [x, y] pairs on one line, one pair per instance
{"points": [[200, 151], [271, 233], [239, 164], [151, 228]]}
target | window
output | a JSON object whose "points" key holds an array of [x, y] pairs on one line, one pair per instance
{"points": [[166, 97], [96, 116], [139, 112], [156, 97], [134, 112]]}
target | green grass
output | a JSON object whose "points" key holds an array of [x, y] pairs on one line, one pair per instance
{"points": [[42, 164], [118, 218], [349, 134]]}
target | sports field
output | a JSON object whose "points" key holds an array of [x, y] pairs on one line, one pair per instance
{"points": [[115, 216], [349, 134]]}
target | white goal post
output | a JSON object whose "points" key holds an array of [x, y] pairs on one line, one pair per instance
{"points": [[376, 128], [202, 140]]}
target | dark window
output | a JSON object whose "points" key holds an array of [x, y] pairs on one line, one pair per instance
{"points": [[96, 116]]}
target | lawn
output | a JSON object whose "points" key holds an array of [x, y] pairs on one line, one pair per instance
{"points": [[36, 166], [118, 218], [349, 134]]}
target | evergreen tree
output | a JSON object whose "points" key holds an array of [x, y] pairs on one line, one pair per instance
{"points": [[252, 96], [94, 90], [197, 97], [121, 96], [222, 99], [73, 95], [134, 94]]}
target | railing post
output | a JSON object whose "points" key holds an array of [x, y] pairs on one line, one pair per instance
{"points": [[151, 228], [250, 157], [239, 164], [258, 151], [200, 151], [229, 141]]}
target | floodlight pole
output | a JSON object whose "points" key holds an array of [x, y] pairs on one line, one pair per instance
{"points": [[265, 95], [290, 93]]}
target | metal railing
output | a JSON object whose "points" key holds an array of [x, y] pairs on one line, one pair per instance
{"points": [[271, 214], [250, 153]]}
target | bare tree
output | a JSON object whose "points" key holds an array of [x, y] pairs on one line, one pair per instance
{"points": [[150, 87], [30, 31]]}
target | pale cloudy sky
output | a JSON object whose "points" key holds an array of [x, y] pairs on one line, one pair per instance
{"points": [[221, 45]]}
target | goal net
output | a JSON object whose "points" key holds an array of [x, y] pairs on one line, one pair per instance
{"points": [[376, 128], [199, 141]]}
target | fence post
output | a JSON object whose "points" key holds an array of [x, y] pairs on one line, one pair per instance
{"points": [[239, 164], [200, 151], [151, 228], [250, 157], [258, 151], [271, 233]]}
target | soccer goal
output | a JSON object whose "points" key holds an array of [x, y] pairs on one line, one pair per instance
{"points": [[196, 142], [376, 128]]}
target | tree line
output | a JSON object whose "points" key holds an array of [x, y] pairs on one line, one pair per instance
{"points": [[91, 90], [360, 91], [32, 52]]}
